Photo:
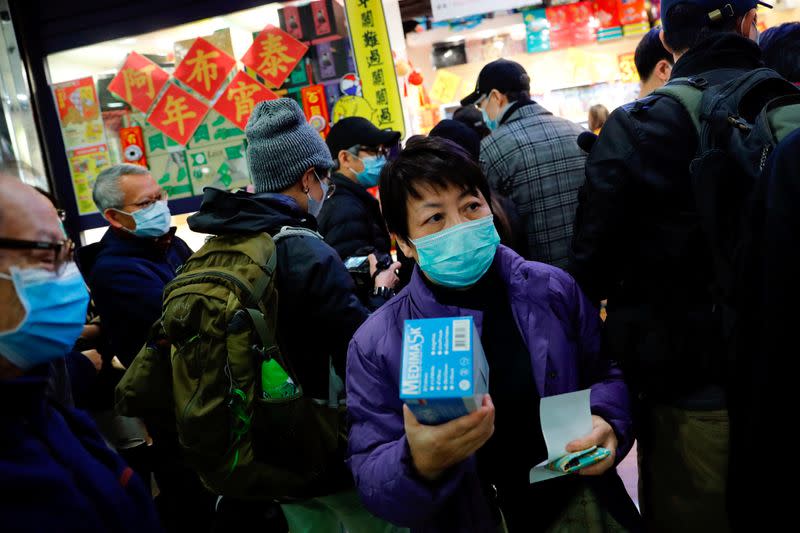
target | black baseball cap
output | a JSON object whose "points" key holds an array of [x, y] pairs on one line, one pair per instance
{"points": [[715, 9], [501, 74], [352, 131]]}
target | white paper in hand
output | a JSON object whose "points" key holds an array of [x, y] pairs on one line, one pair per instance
{"points": [[564, 418]]}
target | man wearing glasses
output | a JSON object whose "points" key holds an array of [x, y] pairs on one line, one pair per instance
{"points": [[138, 255], [351, 220], [56, 471]]}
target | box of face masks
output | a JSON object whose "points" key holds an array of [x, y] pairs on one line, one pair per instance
{"points": [[444, 374]]}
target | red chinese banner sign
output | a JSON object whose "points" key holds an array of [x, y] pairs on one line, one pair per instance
{"points": [[139, 82], [274, 55], [315, 108], [205, 68], [177, 114], [240, 98]]}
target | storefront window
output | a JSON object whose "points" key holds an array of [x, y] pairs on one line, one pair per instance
{"points": [[177, 100], [18, 138]]}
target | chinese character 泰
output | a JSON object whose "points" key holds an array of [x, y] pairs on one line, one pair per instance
{"points": [[242, 97], [367, 20], [386, 116], [370, 39], [204, 71], [177, 111], [377, 77], [136, 79], [273, 55], [374, 58]]}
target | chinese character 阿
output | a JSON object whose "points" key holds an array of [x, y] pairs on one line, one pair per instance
{"points": [[177, 112], [204, 71], [242, 97], [374, 58], [377, 77], [273, 55], [370, 39], [386, 116], [136, 79], [366, 19]]}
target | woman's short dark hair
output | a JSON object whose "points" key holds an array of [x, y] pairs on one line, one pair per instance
{"points": [[687, 25], [435, 162], [780, 47]]}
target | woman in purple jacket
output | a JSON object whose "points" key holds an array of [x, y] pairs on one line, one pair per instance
{"points": [[541, 338]]}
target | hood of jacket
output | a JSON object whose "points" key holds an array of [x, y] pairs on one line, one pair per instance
{"points": [[223, 212], [719, 51]]}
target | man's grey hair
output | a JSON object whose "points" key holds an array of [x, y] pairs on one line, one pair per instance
{"points": [[106, 193]]}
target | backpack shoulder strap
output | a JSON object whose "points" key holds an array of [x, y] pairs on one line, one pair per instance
{"points": [[687, 93], [291, 231]]}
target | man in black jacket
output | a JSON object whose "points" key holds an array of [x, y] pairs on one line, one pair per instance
{"points": [[637, 243], [318, 310], [351, 219]]}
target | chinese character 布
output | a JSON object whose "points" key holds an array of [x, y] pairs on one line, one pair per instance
{"points": [[242, 97], [370, 39], [273, 55], [136, 79], [177, 111], [203, 71]]}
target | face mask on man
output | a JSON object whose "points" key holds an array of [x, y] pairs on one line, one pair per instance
{"points": [[494, 123], [371, 174], [152, 221], [315, 206], [55, 311], [458, 256]]}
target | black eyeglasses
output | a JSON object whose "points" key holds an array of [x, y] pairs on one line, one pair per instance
{"points": [[372, 150], [62, 251]]}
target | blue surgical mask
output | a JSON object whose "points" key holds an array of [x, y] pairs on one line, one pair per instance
{"points": [[152, 221], [315, 206], [55, 311], [460, 255], [372, 171], [491, 124]]}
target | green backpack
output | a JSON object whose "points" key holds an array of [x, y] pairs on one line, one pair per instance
{"points": [[203, 363]]}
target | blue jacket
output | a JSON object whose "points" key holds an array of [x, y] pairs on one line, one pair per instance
{"points": [[126, 275], [57, 474]]}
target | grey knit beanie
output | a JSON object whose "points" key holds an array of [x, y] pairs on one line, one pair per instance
{"points": [[282, 145]]}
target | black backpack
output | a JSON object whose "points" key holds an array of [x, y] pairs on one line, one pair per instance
{"points": [[739, 123]]}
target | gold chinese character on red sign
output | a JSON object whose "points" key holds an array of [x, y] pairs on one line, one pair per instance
{"points": [[138, 82], [274, 55], [240, 98], [178, 114], [205, 68]]}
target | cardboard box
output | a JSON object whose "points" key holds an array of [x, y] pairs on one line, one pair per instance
{"points": [[445, 374]]}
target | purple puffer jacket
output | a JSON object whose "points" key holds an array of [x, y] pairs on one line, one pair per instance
{"points": [[560, 328]]}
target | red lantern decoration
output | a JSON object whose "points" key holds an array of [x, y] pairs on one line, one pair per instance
{"points": [[415, 78]]}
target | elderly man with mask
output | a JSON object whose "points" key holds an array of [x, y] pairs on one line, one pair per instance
{"points": [[55, 470], [138, 255]]}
